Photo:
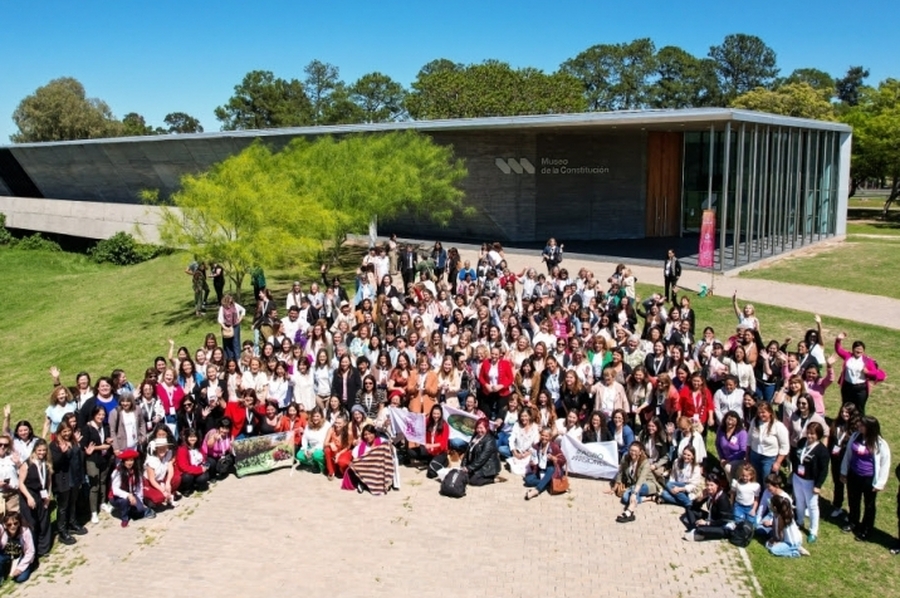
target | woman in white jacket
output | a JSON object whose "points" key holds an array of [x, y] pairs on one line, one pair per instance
{"points": [[865, 470]]}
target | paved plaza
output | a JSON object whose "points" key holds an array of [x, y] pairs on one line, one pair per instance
{"points": [[287, 534]]}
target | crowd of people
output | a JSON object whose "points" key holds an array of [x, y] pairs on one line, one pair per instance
{"points": [[532, 356]]}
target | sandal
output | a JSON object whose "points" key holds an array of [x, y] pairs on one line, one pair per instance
{"points": [[531, 494]]}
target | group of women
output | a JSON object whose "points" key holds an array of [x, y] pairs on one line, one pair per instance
{"points": [[531, 356]]}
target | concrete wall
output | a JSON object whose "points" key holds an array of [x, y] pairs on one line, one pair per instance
{"points": [[88, 219]]}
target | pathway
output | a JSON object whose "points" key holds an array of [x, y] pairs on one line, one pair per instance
{"points": [[281, 534]]}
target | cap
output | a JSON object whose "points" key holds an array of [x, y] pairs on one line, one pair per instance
{"points": [[345, 303], [129, 454]]}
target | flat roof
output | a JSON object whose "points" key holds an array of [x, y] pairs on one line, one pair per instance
{"points": [[624, 118]]}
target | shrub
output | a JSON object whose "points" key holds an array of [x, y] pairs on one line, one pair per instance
{"points": [[123, 249], [5, 237], [37, 243]]}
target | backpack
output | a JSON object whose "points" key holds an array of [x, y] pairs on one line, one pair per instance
{"points": [[454, 484], [742, 534]]}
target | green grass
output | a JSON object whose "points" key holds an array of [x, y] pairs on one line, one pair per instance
{"points": [[851, 266], [873, 227], [61, 309]]}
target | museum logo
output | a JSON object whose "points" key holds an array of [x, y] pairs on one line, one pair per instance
{"points": [[551, 166], [512, 165]]}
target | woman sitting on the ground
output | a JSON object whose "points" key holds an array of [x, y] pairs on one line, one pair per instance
{"points": [[161, 478], [338, 445], [523, 437], [217, 450], [372, 467], [596, 429], [191, 464], [685, 480], [295, 421], [708, 518], [635, 479], [437, 439], [568, 426], [482, 459], [786, 539], [16, 549], [312, 445], [621, 431], [547, 462], [506, 420], [128, 489], [658, 448]]}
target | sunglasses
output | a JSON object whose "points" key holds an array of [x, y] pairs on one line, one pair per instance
{"points": [[4, 445]]}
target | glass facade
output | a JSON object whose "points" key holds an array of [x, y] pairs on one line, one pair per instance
{"points": [[773, 188]]}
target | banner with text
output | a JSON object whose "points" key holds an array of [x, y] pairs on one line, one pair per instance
{"points": [[263, 453], [707, 250], [410, 425], [599, 460]]}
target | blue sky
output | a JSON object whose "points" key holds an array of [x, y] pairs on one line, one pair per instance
{"points": [[165, 56]]}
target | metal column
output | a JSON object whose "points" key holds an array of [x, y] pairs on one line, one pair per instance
{"points": [[739, 193], [723, 220], [751, 195], [712, 163]]}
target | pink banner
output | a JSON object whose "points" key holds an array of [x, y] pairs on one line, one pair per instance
{"points": [[707, 252]]}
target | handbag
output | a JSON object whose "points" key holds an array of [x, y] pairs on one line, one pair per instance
{"points": [[227, 331], [559, 485], [619, 489]]}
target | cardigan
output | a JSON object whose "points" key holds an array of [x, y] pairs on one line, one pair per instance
{"points": [[815, 464], [871, 371], [882, 461]]}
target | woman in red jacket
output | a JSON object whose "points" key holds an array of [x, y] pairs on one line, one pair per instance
{"points": [[495, 378], [437, 438], [192, 464], [696, 402]]}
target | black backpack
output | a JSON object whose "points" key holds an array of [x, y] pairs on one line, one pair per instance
{"points": [[742, 534], [454, 484]]}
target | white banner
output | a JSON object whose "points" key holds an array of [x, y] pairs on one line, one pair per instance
{"points": [[411, 425], [462, 423], [599, 460]]}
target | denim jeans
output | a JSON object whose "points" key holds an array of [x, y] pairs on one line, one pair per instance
{"points": [[681, 498], [641, 492], [742, 513], [503, 445], [784, 549], [6, 565], [762, 465], [540, 482]]}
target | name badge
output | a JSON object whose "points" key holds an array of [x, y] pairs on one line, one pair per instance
{"points": [[45, 494], [249, 428], [801, 470], [861, 449], [836, 450], [734, 440]]}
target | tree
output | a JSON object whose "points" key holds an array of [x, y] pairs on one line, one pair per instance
{"points": [[322, 79], [847, 87], [379, 97], [818, 80], [439, 65], [614, 76], [794, 99], [876, 130], [491, 88], [262, 101], [683, 80], [743, 62], [274, 209], [60, 111], [180, 122], [134, 125]]}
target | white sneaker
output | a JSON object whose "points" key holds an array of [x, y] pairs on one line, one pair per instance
{"points": [[107, 508], [803, 551], [689, 536], [837, 513], [95, 518]]}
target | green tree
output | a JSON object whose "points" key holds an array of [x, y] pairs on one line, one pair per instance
{"points": [[743, 62], [818, 80], [847, 87], [134, 125], [341, 109], [614, 76], [439, 65], [876, 130], [491, 88], [379, 97], [322, 79], [794, 99], [683, 80], [262, 101], [60, 111], [274, 209], [180, 122]]}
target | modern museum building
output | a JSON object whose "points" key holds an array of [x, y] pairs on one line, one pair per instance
{"points": [[775, 183]]}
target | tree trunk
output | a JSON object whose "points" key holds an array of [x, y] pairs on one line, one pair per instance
{"points": [[854, 185], [895, 192]]}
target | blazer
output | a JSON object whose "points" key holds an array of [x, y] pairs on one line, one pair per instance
{"points": [[871, 371], [627, 437], [354, 384], [643, 476], [505, 376], [117, 435], [719, 509], [482, 458]]}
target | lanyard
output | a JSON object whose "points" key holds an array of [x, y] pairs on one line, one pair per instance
{"points": [[806, 451], [42, 475]]}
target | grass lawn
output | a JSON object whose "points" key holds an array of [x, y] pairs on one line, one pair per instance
{"points": [[873, 227], [851, 266], [63, 310]]}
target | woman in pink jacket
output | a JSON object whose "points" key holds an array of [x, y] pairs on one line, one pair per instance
{"points": [[858, 373]]}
